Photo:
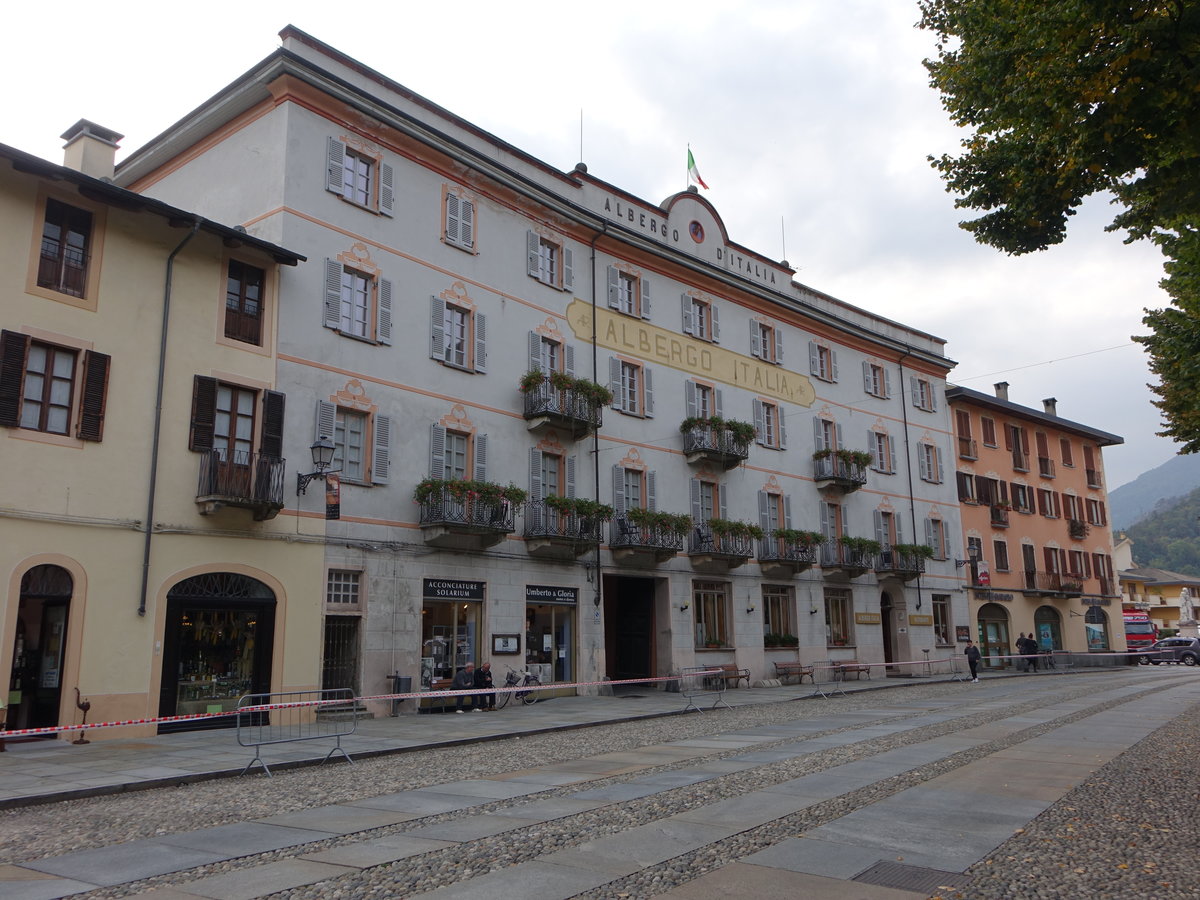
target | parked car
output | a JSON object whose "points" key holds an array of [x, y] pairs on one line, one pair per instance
{"points": [[1184, 650]]}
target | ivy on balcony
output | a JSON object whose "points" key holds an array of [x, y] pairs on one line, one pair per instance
{"points": [[564, 401], [846, 469], [788, 550], [466, 514], [723, 441]]}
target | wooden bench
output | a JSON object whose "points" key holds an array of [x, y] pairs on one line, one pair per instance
{"points": [[797, 670], [730, 672], [846, 666]]}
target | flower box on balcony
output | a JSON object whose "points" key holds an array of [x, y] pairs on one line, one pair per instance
{"points": [[1077, 528], [725, 442], [903, 561], [646, 537], [843, 469], [466, 515], [563, 527], [559, 400], [722, 544], [787, 551], [240, 479], [849, 556]]}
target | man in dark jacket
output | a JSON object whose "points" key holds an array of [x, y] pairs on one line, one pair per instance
{"points": [[464, 680], [972, 655], [483, 679]]}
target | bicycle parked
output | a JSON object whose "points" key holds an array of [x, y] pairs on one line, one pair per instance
{"points": [[518, 679]]}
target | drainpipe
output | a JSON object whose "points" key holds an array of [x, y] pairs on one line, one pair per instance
{"points": [[596, 598], [912, 501], [158, 403]]}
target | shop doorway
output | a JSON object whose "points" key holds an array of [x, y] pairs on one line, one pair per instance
{"points": [[339, 663], [629, 627], [217, 646], [993, 635], [39, 648], [889, 631], [1048, 623]]}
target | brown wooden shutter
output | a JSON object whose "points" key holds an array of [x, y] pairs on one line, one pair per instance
{"points": [[14, 347], [95, 392], [204, 413], [271, 440]]}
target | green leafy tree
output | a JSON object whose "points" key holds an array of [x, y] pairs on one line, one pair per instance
{"points": [[1068, 98]]}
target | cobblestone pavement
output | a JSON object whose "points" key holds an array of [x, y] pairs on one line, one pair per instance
{"points": [[1039, 787]]}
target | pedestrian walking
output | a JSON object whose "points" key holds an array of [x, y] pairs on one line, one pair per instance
{"points": [[1031, 652], [972, 655]]}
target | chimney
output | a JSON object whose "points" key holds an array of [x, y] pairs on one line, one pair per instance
{"points": [[1051, 406], [91, 149], [1002, 390]]}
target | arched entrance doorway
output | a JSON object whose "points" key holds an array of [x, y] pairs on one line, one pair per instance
{"points": [[1047, 625], [1095, 623], [629, 626], [888, 625], [217, 646], [993, 635], [39, 648]]}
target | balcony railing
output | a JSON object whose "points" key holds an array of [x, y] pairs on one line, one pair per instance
{"points": [[705, 545], [567, 409], [777, 555], [1107, 588], [1093, 478], [1045, 467], [849, 476], [241, 479], [62, 268], [554, 533], [716, 444], [967, 448], [999, 516], [852, 561], [899, 564], [1020, 461], [466, 522], [1077, 528], [1052, 583], [628, 540]]}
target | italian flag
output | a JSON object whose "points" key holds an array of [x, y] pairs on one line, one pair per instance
{"points": [[693, 172]]}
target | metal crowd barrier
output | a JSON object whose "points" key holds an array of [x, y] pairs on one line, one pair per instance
{"points": [[294, 716], [702, 681]]}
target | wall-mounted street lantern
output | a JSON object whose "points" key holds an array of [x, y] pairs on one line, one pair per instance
{"points": [[322, 456]]}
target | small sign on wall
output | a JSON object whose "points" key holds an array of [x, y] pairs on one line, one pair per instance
{"points": [[918, 619], [861, 618]]}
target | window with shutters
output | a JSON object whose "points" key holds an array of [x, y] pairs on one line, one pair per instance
{"points": [[822, 362], [700, 318], [883, 454], [232, 421], [358, 302], [459, 230], [1048, 503], [876, 380], [935, 537], [1067, 452], [710, 599], [627, 291], [768, 424], [1096, 513], [987, 430], [942, 624], [245, 287], [779, 609], [1077, 564], [708, 500], [52, 389], [704, 403], [632, 387], [966, 487], [361, 438], [1000, 555], [546, 354], [358, 175], [632, 486], [458, 451], [766, 342], [1022, 498], [550, 261], [929, 459], [65, 249], [887, 529], [774, 512], [839, 617], [458, 332], [923, 395]]}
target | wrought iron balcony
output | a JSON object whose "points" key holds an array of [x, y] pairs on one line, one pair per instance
{"points": [[999, 516], [568, 410], [897, 564], [633, 543], [554, 534], [777, 557], [709, 550], [849, 476], [1045, 467], [240, 479], [1020, 461], [717, 445], [850, 561], [1052, 583], [1093, 478], [464, 523], [967, 448], [1077, 528]]}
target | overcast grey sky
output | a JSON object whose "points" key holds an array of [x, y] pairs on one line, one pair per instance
{"points": [[807, 118]]}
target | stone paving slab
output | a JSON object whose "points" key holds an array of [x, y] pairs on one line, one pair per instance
{"points": [[550, 808], [814, 856], [338, 819], [540, 880], [242, 839], [471, 828], [491, 789], [121, 863], [748, 810], [248, 884], [377, 851], [737, 879], [424, 803], [654, 842], [17, 883]]}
